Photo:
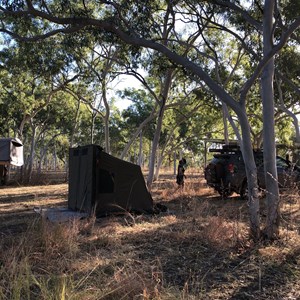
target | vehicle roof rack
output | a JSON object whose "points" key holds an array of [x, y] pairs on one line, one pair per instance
{"points": [[227, 148]]}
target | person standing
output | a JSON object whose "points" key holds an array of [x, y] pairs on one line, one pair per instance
{"points": [[180, 173]]}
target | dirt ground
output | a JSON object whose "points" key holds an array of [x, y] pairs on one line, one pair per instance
{"points": [[199, 246]]}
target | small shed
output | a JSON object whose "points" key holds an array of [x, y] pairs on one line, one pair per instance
{"points": [[11, 152], [102, 184]]}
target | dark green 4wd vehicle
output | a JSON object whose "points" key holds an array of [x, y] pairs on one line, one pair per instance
{"points": [[226, 172]]}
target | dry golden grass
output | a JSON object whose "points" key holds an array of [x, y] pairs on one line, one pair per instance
{"points": [[34, 190], [198, 249]]}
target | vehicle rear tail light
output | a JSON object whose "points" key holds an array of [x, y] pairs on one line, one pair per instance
{"points": [[231, 168]]}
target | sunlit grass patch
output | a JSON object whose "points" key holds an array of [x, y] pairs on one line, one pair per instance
{"points": [[198, 249]]}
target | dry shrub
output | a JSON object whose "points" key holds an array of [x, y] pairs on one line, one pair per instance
{"points": [[43, 178], [192, 188], [167, 194], [197, 208], [41, 250], [134, 283], [15, 279], [60, 239], [222, 233], [271, 253], [290, 211]]}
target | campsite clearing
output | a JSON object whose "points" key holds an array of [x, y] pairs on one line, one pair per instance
{"points": [[198, 249]]}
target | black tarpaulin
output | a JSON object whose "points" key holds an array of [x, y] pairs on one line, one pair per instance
{"points": [[101, 183]]}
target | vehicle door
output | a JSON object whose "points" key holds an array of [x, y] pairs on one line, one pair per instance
{"points": [[236, 167], [287, 175]]}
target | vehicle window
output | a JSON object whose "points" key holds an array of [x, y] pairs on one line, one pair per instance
{"points": [[215, 160], [280, 162], [259, 159]]}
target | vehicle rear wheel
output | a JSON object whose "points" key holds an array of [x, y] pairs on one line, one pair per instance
{"points": [[244, 190], [225, 191]]}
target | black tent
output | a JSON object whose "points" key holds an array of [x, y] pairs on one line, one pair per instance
{"points": [[100, 183]]}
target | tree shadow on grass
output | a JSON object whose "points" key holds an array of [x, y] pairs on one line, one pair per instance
{"points": [[211, 272], [206, 247], [199, 247]]}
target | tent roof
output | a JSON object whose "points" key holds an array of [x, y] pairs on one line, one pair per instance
{"points": [[17, 142]]}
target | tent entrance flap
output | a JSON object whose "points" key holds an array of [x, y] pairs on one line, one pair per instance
{"points": [[100, 183], [105, 181]]}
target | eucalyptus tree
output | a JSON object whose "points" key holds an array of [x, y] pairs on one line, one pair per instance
{"points": [[272, 43], [287, 92], [133, 23], [138, 119], [186, 122], [9, 110], [31, 81], [25, 101], [97, 62], [54, 126], [148, 106]]}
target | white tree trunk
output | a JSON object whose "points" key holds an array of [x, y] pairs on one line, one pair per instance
{"points": [[74, 129], [137, 132], [272, 225], [106, 118], [165, 92], [32, 152], [251, 172], [140, 160], [224, 114]]}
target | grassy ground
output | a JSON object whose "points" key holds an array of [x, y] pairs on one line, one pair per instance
{"points": [[198, 249]]}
